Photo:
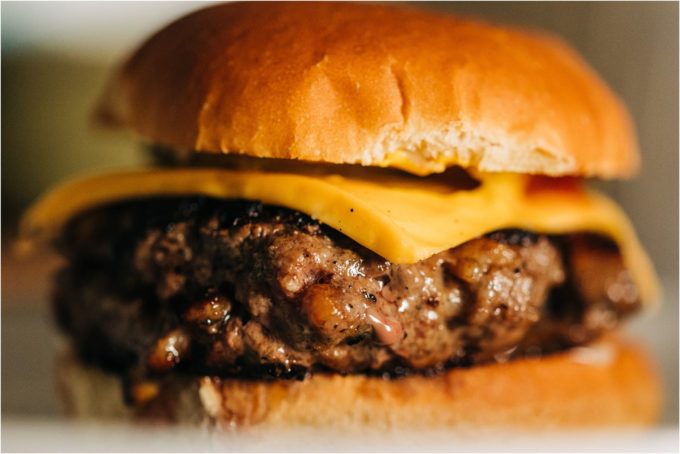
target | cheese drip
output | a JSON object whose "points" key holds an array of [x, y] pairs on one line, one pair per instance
{"points": [[402, 219]]}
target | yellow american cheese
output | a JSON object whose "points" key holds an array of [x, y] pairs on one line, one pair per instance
{"points": [[403, 219]]}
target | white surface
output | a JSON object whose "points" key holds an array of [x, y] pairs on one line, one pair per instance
{"points": [[54, 437]]}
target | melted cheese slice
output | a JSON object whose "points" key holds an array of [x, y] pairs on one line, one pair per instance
{"points": [[403, 219]]}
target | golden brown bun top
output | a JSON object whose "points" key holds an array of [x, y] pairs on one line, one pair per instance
{"points": [[372, 85]]}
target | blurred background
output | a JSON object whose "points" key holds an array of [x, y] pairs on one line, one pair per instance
{"points": [[56, 58]]}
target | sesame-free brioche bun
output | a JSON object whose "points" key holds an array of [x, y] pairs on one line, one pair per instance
{"points": [[609, 384], [374, 85]]}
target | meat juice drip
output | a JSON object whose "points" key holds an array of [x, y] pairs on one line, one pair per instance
{"points": [[387, 330]]}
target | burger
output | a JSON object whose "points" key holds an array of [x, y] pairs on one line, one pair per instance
{"points": [[357, 215]]}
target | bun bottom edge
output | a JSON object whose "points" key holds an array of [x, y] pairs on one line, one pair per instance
{"points": [[607, 384]]}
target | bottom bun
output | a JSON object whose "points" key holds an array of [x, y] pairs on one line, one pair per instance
{"points": [[610, 383]]}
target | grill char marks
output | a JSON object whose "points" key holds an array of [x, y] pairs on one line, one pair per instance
{"points": [[234, 288]]}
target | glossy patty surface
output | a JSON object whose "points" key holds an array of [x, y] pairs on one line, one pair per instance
{"points": [[204, 286]]}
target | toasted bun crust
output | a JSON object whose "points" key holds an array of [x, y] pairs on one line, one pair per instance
{"points": [[609, 384], [375, 85]]}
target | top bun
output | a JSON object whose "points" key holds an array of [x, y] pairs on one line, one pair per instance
{"points": [[372, 85]]}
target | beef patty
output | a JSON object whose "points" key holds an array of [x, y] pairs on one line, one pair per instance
{"points": [[197, 285]]}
